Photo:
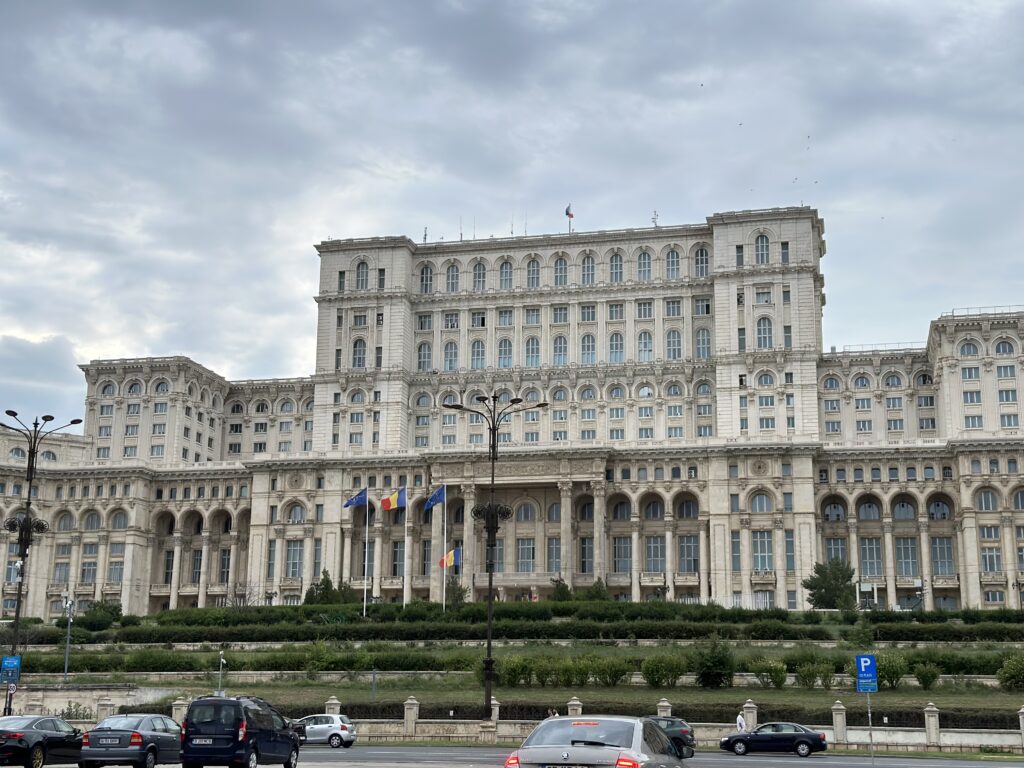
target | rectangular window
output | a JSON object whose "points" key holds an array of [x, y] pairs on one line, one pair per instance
{"points": [[424, 322], [734, 545], [970, 373], [831, 406], [906, 556], [739, 255], [991, 560], [398, 558], [622, 554], [973, 422], [926, 424], [224, 567], [926, 401], [763, 296], [499, 555], [1002, 372], [761, 542], [702, 305], [894, 403], [554, 554], [478, 318], [972, 397], [741, 339], [673, 308], [689, 554], [766, 422], [293, 559], [586, 554], [784, 249], [532, 316], [271, 557], [644, 310], [862, 403], [870, 556], [835, 549], [787, 336], [895, 425], [864, 425], [616, 311], [588, 313], [504, 318], [654, 554], [560, 314], [1007, 395], [1009, 420]]}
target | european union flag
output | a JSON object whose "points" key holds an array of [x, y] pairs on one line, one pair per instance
{"points": [[437, 497], [359, 500]]}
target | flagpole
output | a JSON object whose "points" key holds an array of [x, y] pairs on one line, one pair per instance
{"points": [[366, 552], [444, 548]]}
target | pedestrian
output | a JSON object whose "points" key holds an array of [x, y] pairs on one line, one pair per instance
{"points": [[741, 723]]}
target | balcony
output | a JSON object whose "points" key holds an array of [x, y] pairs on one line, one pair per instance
{"points": [[86, 588], [949, 581], [908, 581], [160, 589], [391, 582], [686, 579], [112, 586], [993, 577], [619, 580], [10, 588], [56, 587], [652, 579], [762, 577], [217, 589]]}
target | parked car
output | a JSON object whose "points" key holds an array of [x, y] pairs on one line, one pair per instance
{"points": [[680, 731], [241, 730], [775, 737], [336, 730], [36, 741], [598, 740], [141, 740]]}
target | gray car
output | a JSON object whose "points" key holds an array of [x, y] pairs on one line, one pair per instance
{"points": [[336, 730], [598, 740], [140, 740]]}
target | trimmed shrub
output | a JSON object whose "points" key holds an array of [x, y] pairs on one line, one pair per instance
{"points": [[611, 672], [770, 673], [826, 675], [891, 669], [1011, 674], [807, 675], [713, 662], [927, 675], [663, 671]]}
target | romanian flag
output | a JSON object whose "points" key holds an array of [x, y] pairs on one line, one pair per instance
{"points": [[394, 501], [454, 557], [568, 211]]}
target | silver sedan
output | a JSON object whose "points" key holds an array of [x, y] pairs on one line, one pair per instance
{"points": [[336, 730]]}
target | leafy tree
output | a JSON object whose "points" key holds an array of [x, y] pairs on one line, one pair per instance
{"points": [[714, 664], [323, 592], [927, 675], [455, 594], [596, 591], [892, 666], [831, 586], [99, 616], [562, 592], [1011, 674]]}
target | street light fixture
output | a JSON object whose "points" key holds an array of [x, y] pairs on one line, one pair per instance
{"points": [[69, 612], [495, 412], [22, 523]]}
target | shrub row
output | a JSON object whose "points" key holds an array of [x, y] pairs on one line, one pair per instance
{"points": [[991, 630]]}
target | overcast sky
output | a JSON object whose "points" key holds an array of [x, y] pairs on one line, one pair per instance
{"points": [[165, 167]]}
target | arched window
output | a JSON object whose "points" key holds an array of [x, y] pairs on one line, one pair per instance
{"points": [[761, 503], [834, 512], [702, 344], [644, 347], [262, 407], [92, 522], [645, 391], [968, 349], [701, 263], [766, 380], [452, 278], [16, 453], [560, 351], [297, 514], [423, 400], [65, 522], [985, 500], [687, 509], [451, 356], [654, 510], [526, 513], [424, 357], [236, 408], [533, 274], [135, 388], [359, 353], [587, 393], [107, 390], [559, 395], [585, 512], [119, 521], [162, 388], [1018, 500], [674, 390], [761, 249], [764, 333], [643, 266], [479, 276], [938, 510], [924, 380], [533, 352], [616, 348], [703, 389], [615, 268], [48, 456], [561, 271], [505, 276], [287, 406], [505, 353], [617, 393], [426, 279], [1004, 348], [357, 397], [673, 345], [478, 358], [672, 265], [861, 382], [894, 381], [532, 396], [903, 510], [620, 511], [831, 383], [587, 270], [362, 276], [555, 512], [868, 510], [588, 350]]}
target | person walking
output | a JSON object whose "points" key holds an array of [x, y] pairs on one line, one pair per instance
{"points": [[741, 723]]}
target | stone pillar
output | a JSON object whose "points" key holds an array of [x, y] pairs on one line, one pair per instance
{"points": [[495, 709], [178, 709], [280, 560], [469, 539], [176, 573], [332, 706], [308, 557], [438, 549], [636, 559], [931, 725], [412, 714], [407, 560], [746, 563], [599, 489], [488, 732], [664, 708], [204, 571], [925, 554], [750, 714], [853, 549], [574, 707], [779, 561], [703, 562], [839, 723], [565, 531], [232, 566], [346, 555], [101, 566], [378, 556], [671, 554], [1020, 719], [104, 707], [889, 564], [1009, 541]]}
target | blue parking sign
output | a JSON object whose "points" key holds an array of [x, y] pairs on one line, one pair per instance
{"points": [[10, 669], [867, 674]]}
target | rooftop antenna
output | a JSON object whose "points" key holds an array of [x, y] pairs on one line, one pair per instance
{"points": [[424, 234], [526, 222], [512, 226], [654, 218], [474, 227], [460, 229]]}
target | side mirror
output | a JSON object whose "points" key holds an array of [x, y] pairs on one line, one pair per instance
{"points": [[78, 731]]}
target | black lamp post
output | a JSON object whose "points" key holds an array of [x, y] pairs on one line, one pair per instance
{"points": [[22, 523], [494, 411]]}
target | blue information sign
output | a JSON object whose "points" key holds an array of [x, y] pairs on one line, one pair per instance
{"points": [[10, 669], [867, 675]]}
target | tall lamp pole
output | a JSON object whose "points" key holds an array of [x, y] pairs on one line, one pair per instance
{"points": [[495, 412], [22, 523], [69, 611]]}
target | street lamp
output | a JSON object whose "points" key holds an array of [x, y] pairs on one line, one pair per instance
{"points": [[69, 611], [495, 412]]}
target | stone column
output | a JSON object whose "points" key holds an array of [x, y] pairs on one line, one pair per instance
{"points": [[101, 566], [574, 707], [495, 709], [232, 567], [308, 577], [924, 545], [931, 725], [104, 707], [889, 563], [176, 573], [970, 567], [469, 539], [76, 562], [280, 557], [746, 563], [333, 707], [1020, 719], [378, 556], [204, 571], [839, 723], [704, 563], [565, 531], [854, 551], [671, 554], [664, 708], [407, 562], [412, 714], [636, 563], [438, 549], [750, 714], [599, 488], [346, 555], [779, 558], [178, 709], [1009, 540]]}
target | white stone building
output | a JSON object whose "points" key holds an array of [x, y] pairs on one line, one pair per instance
{"points": [[698, 444]]}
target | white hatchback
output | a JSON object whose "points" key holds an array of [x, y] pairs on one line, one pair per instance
{"points": [[336, 730]]}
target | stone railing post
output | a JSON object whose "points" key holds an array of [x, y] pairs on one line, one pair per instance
{"points": [[495, 709], [178, 709], [104, 708], [750, 714], [931, 725], [1020, 717], [574, 707], [332, 706], [412, 714], [839, 723], [664, 708]]}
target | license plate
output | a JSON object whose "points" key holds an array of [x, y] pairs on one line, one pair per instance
{"points": [[109, 741], [202, 741]]}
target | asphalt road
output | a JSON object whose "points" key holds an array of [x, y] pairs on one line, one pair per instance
{"points": [[388, 756]]}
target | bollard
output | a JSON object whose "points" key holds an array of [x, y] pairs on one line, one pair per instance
{"points": [[931, 725], [178, 709], [412, 714], [1020, 717], [839, 723], [495, 709], [664, 708], [574, 707], [332, 706], [750, 714], [104, 708]]}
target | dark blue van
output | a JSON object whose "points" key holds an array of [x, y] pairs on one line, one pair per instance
{"points": [[241, 731]]}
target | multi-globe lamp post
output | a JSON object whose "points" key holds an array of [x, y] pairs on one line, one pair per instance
{"points": [[494, 411]]}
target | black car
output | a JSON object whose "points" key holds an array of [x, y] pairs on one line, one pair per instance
{"points": [[237, 731], [36, 741], [680, 731], [775, 737], [140, 740]]}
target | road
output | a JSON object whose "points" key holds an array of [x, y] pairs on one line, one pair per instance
{"points": [[389, 756]]}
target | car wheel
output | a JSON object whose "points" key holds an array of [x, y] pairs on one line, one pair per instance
{"points": [[739, 747], [347, 744], [254, 759], [293, 759], [803, 749], [36, 757], [335, 740], [148, 760]]}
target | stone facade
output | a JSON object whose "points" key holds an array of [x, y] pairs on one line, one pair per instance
{"points": [[698, 444]]}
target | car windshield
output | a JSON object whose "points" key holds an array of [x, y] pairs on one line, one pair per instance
{"points": [[611, 733], [120, 723], [16, 722]]}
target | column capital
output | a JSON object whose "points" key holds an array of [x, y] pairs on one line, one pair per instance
{"points": [[565, 487], [598, 487]]}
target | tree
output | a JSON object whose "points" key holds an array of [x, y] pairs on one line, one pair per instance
{"points": [[455, 593], [323, 592], [596, 591], [831, 586], [562, 592]]}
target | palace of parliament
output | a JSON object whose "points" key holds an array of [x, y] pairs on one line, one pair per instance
{"points": [[698, 444]]}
